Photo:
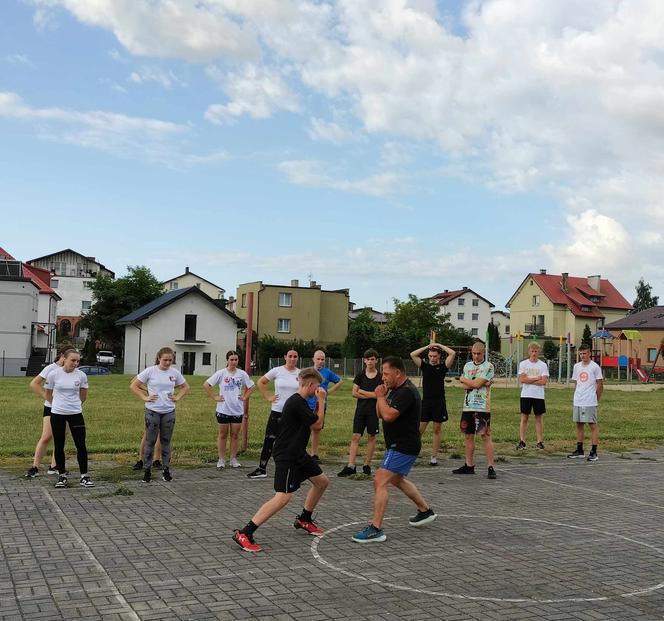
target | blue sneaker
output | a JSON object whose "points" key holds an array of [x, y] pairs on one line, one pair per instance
{"points": [[370, 534]]}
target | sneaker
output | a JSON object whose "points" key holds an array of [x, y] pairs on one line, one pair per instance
{"points": [[491, 473], [52, 470], [366, 469], [246, 542], [235, 463], [32, 473], [147, 476], [465, 469], [257, 474], [521, 445], [540, 446], [422, 518], [221, 463], [156, 464], [310, 526], [370, 534], [86, 481], [347, 471], [316, 459], [433, 461], [138, 465], [576, 454], [62, 481], [593, 456], [166, 475]]}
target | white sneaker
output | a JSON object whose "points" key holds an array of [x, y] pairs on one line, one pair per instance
{"points": [[86, 481], [235, 463], [221, 464]]}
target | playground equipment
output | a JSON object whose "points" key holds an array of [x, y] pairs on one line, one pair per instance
{"points": [[649, 377]]}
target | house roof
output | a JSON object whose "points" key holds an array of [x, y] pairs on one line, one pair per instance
{"points": [[378, 316], [446, 297], [649, 319], [39, 277], [168, 298], [46, 256], [5, 255], [190, 273]]}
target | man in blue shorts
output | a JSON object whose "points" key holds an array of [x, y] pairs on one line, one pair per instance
{"points": [[400, 411]]}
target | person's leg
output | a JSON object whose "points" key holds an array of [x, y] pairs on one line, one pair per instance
{"points": [[539, 427], [594, 433], [413, 493], [319, 484], [141, 449], [580, 432], [235, 438], [77, 430], [435, 445], [58, 425], [523, 426], [150, 435], [470, 449], [157, 448], [271, 507], [221, 440], [315, 441], [423, 426], [488, 446], [271, 430], [354, 447], [166, 428], [371, 449], [382, 480], [42, 443]]}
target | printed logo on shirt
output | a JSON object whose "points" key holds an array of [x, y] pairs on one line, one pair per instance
{"points": [[172, 378], [583, 376], [77, 383]]}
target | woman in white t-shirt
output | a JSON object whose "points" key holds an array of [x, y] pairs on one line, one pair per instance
{"points": [[67, 391], [160, 387], [285, 386], [235, 387]]}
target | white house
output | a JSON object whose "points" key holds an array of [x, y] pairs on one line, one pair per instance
{"points": [[189, 279], [467, 310], [501, 319], [200, 330]]}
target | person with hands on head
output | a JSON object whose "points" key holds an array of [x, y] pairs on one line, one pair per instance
{"points": [[434, 406], [329, 377], [285, 385], [160, 387]]}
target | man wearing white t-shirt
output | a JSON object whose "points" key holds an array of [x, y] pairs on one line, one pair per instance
{"points": [[589, 387], [533, 376]]}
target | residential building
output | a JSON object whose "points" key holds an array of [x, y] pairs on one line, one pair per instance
{"points": [[189, 279], [71, 275], [467, 310], [377, 316], [199, 328], [501, 319], [549, 306], [650, 325], [291, 312]]}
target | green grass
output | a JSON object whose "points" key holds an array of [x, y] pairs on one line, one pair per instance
{"points": [[114, 419]]}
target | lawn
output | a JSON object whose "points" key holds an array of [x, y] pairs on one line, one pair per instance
{"points": [[114, 422]]}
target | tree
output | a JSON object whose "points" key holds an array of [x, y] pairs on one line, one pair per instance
{"points": [[587, 338], [550, 350], [363, 333], [494, 337], [644, 297], [115, 298]]}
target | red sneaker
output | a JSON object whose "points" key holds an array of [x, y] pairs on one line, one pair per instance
{"points": [[310, 527], [245, 543]]}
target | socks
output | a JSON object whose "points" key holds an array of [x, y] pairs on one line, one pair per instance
{"points": [[579, 446], [305, 515], [594, 448], [249, 529]]}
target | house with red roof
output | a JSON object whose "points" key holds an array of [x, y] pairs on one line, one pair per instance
{"points": [[467, 310], [548, 306]]}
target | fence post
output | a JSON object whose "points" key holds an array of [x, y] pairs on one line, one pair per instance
{"points": [[3, 363]]}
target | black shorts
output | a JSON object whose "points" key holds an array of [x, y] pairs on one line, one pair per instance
{"points": [[434, 411], [288, 475], [476, 422], [532, 406], [225, 419], [47, 410], [365, 421]]}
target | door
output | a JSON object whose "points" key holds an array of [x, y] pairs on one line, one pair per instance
{"points": [[188, 362]]}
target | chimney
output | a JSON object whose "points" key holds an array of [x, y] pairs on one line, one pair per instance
{"points": [[564, 285], [465, 288], [593, 282], [446, 291], [295, 283], [186, 270], [543, 272]]}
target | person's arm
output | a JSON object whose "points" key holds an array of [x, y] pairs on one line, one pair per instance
{"points": [[247, 393], [335, 385], [141, 391], [599, 388], [36, 386], [415, 355], [182, 390], [358, 393], [262, 387], [320, 409], [383, 409], [48, 395], [478, 382], [208, 389], [83, 393], [451, 355]]}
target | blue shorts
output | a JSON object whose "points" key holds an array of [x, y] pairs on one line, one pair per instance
{"points": [[397, 462]]}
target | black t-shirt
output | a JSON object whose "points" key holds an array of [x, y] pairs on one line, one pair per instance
{"points": [[367, 406], [433, 381], [403, 434], [294, 430]]}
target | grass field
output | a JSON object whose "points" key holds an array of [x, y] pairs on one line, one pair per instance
{"points": [[114, 422]]}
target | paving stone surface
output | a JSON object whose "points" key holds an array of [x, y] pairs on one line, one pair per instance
{"points": [[550, 539]]}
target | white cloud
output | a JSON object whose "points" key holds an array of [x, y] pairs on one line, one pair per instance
{"points": [[19, 59], [163, 77], [329, 131]]}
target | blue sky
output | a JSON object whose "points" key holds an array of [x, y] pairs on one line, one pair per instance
{"points": [[393, 148]]}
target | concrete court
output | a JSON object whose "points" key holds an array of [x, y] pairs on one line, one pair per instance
{"points": [[550, 539]]}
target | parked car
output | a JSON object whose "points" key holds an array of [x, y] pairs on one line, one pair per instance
{"points": [[106, 357], [94, 370]]}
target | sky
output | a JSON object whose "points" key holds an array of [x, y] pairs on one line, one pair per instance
{"points": [[389, 147]]}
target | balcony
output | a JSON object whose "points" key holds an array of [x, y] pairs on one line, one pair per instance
{"points": [[534, 328]]}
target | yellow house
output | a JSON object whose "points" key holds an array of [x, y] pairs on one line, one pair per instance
{"points": [[291, 312], [549, 306], [189, 279]]}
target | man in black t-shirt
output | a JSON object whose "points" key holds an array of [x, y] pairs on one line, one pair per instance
{"points": [[293, 464], [434, 408], [364, 384], [400, 411]]}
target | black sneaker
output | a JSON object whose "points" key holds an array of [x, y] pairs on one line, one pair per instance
{"points": [[257, 474], [156, 464], [366, 469], [316, 459], [576, 454], [62, 481], [492, 473], [52, 470], [147, 476], [593, 456], [138, 465], [521, 445], [347, 471], [465, 469], [422, 518], [166, 475], [540, 446], [32, 473], [86, 481]]}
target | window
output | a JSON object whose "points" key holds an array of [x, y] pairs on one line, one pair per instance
{"points": [[476, 316], [652, 354], [190, 327], [536, 300], [207, 358], [473, 332], [462, 302], [54, 283], [86, 284], [476, 302], [507, 329], [86, 305], [460, 316], [174, 286], [286, 299], [244, 300], [283, 325]]}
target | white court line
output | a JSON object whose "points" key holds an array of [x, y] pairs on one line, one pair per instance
{"points": [[113, 588]]}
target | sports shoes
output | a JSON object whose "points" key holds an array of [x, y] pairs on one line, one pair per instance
{"points": [[370, 534], [422, 518], [347, 471], [491, 473], [257, 474], [156, 464], [221, 463], [246, 542], [366, 469], [32, 473], [316, 459], [147, 476], [576, 454], [52, 470], [521, 445], [138, 465], [166, 475], [86, 481], [593, 456], [310, 526], [235, 463], [62, 481], [433, 461], [540, 446], [465, 469]]}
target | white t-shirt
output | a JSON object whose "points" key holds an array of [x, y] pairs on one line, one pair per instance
{"points": [[230, 388], [533, 369], [66, 389], [586, 376], [160, 383], [285, 385], [44, 374]]}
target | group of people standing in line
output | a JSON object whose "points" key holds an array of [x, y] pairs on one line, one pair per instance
{"points": [[297, 414]]}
